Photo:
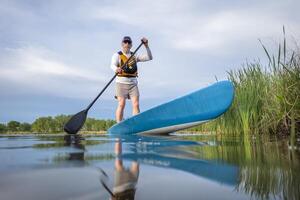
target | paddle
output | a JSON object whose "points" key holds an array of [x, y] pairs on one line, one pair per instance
{"points": [[77, 120]]}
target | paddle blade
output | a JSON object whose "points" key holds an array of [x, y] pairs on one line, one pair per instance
{"points": [[76, 122]]}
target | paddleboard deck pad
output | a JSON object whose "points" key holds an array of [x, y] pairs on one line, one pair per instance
{"points": [[184, 112]]}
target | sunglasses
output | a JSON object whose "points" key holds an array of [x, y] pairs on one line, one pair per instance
{"points": [[127, 41]]}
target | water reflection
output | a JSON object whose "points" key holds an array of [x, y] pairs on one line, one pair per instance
{"points": [[75, 141], [169, 154], [257, 169], [271, 170], [125, 178], [164, 153], [268, 168], [76, 150]]}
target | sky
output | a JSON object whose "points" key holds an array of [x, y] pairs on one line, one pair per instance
{"points": [[55, 55]]}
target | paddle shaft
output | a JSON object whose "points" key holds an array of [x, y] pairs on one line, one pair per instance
{"points": [[111, 80]]}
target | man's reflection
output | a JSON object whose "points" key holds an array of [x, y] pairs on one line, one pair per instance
{"points": [[125, 179]]}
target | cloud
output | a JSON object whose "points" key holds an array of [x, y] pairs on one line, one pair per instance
{"points": [[38, 69], [198, 25]]}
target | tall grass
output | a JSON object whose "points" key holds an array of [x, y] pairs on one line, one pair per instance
{"points": [[267, 98]]}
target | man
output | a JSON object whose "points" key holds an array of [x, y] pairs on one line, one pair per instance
{"points": [[126, 80]]}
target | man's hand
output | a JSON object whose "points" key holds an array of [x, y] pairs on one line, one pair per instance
{"points": [[145, 41], [119, 70], [131, 61]]}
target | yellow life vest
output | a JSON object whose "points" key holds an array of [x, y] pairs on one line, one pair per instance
{"points": [[130, 69]]}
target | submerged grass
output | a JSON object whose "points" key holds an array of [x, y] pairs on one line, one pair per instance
{"points": [[267, 98]]}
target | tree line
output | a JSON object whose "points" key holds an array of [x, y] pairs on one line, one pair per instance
{"points": [[54, 125]]}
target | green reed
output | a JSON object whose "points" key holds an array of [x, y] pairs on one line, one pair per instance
{"points": [[267, 98]]}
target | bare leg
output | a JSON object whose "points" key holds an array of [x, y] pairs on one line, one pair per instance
{"points": [[120, 109], [135, 105]]}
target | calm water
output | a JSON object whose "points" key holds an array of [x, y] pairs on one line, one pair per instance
{"points": [[174, 167]]}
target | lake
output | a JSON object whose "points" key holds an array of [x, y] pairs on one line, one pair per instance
{"points": [[144, 167]]}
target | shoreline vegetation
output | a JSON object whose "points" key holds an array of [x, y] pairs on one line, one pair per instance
{"points": [[54, 125], [267, 102]]}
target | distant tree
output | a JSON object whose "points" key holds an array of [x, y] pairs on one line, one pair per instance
{"points": [[13, 126], [55, 125], [109, 123], [101, 125], [25, 127], [3, 128], [43, 125], [59, 122], [92, 124]]}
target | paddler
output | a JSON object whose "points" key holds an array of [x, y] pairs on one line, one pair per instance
{"points": [[126, 80]]}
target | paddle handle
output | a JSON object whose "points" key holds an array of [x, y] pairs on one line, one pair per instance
{"points": [[111, 80]]}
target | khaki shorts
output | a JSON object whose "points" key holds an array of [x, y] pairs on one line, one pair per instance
{"points": [[126, 90]]}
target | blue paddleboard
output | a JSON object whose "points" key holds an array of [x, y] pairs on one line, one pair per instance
{"points": [[184, 112]]}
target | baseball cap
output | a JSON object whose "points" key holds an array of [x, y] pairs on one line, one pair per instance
{"points": [[126, 38]]}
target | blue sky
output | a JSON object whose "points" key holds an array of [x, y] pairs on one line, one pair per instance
{"points": [[55, 55]]}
